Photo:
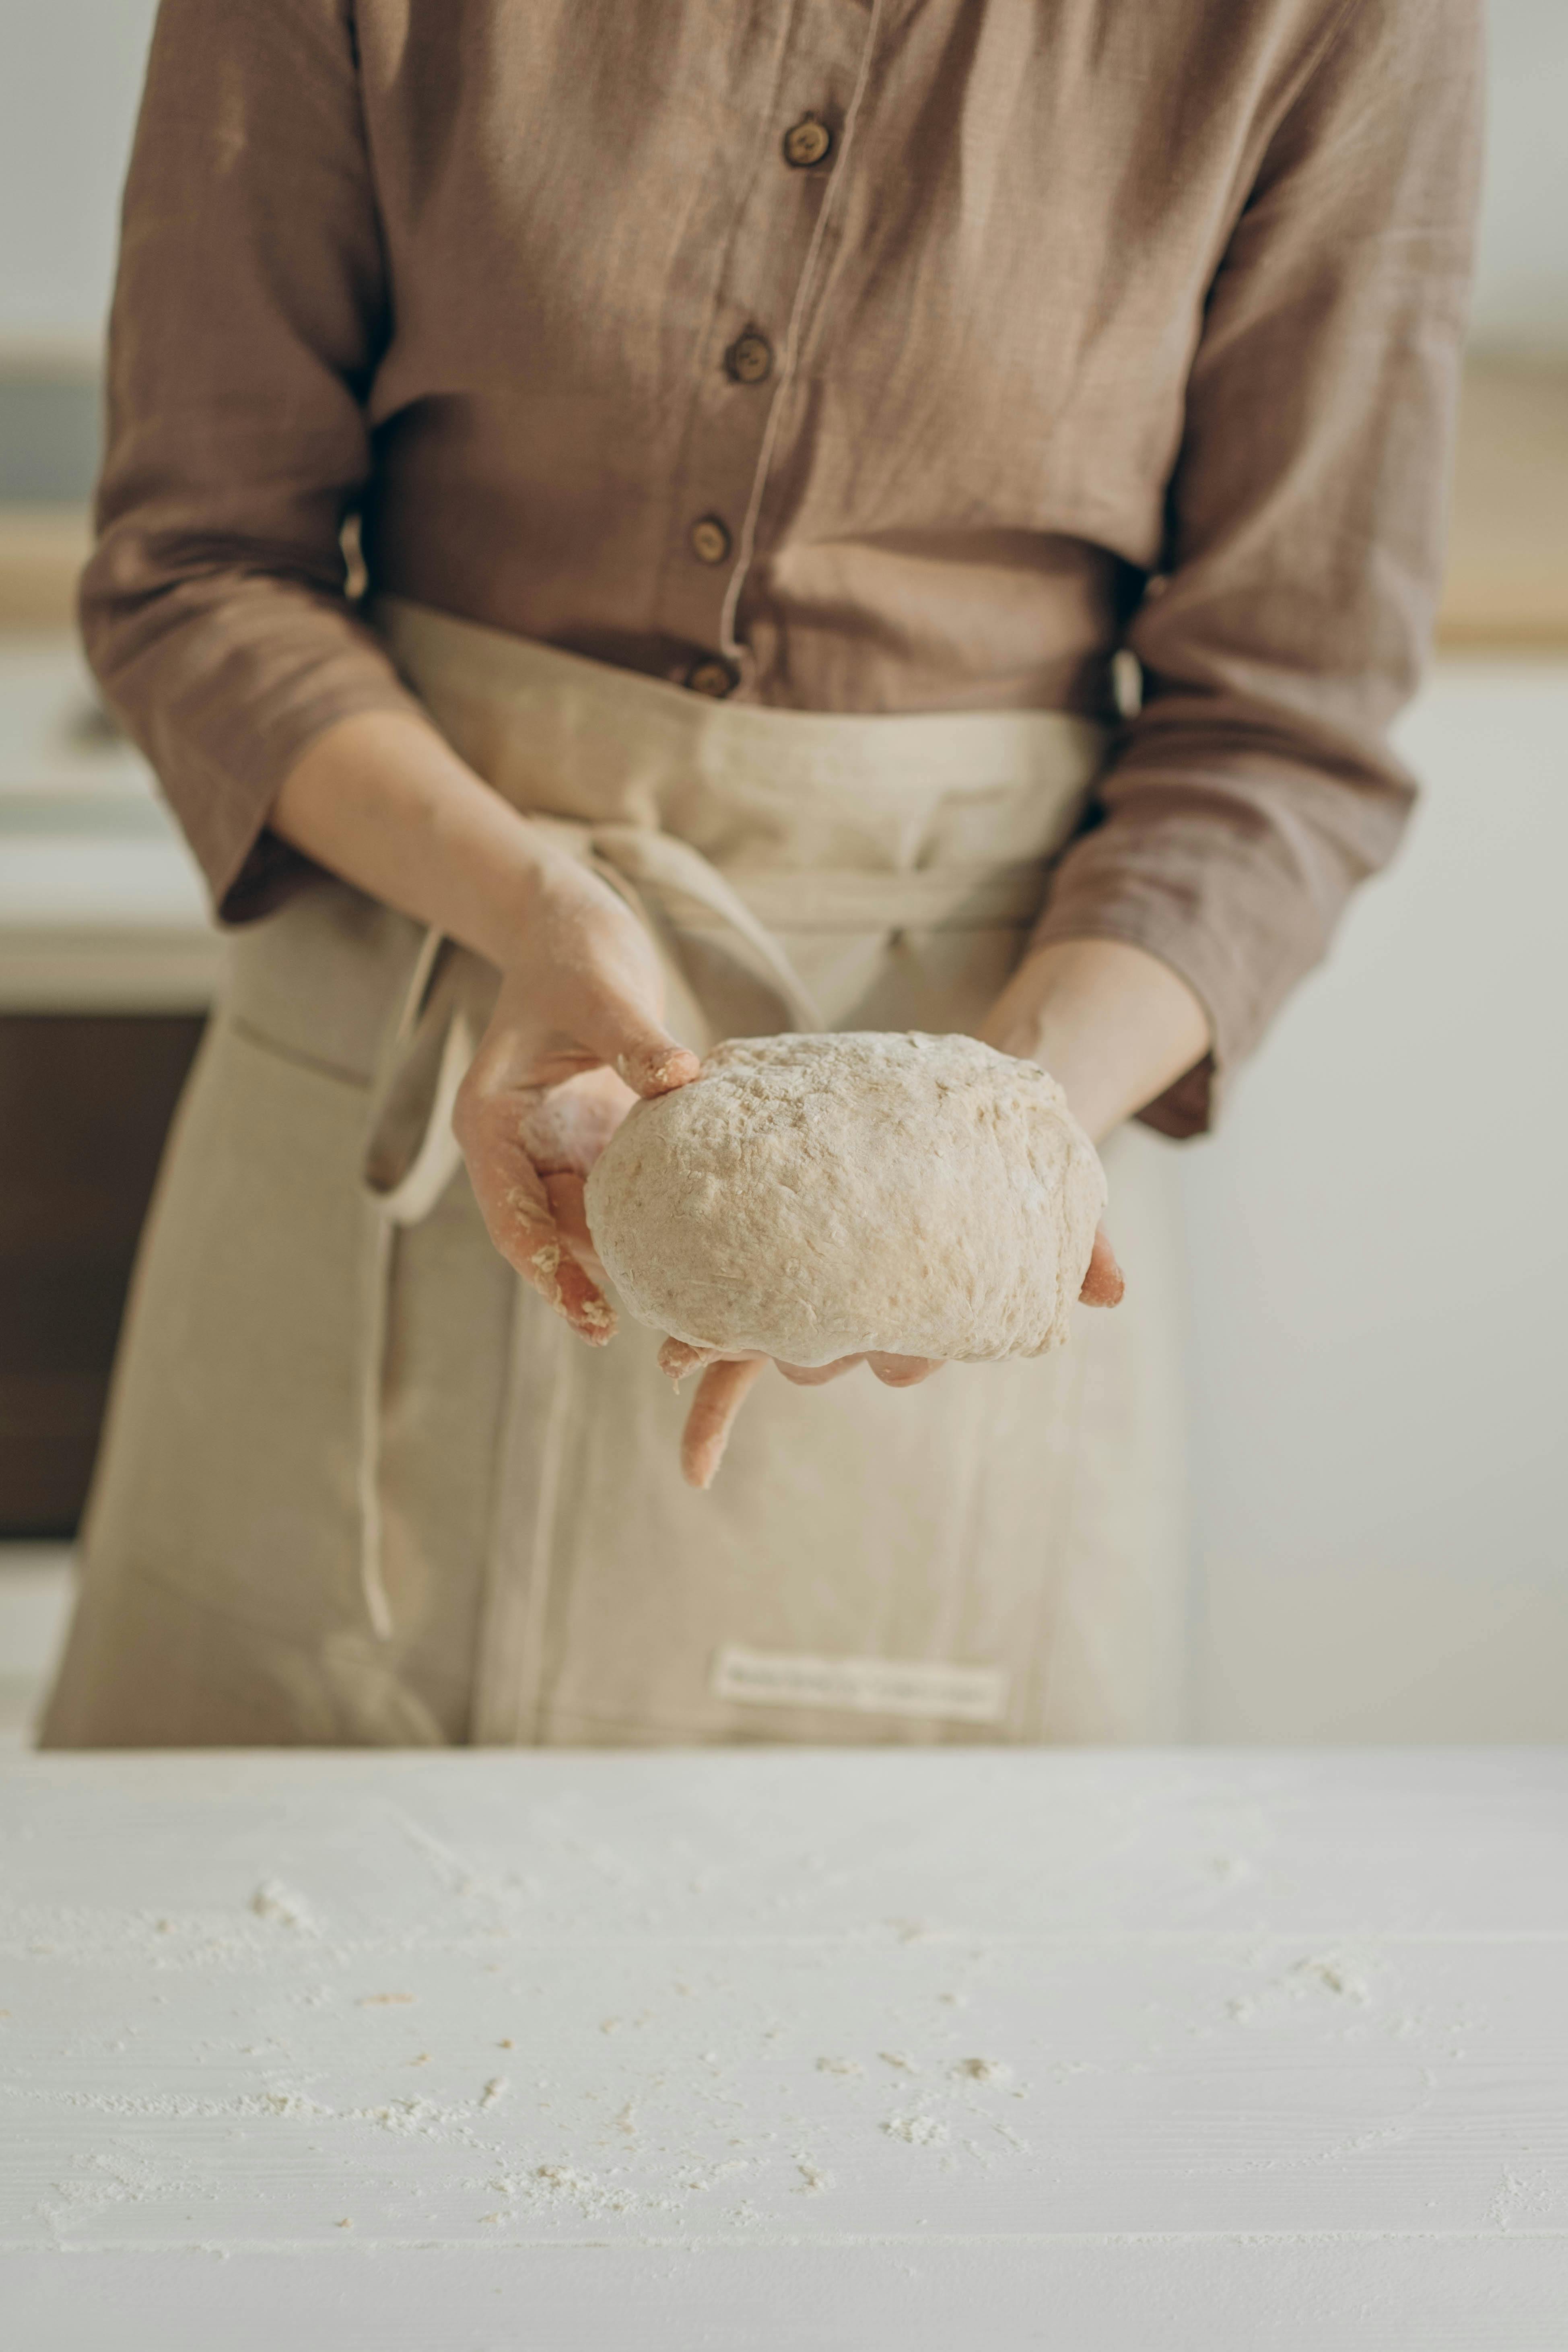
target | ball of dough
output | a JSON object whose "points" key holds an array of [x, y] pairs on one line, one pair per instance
{"points": [[819, 1196]]}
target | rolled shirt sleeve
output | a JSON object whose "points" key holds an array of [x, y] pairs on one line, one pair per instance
{"points": [[1256, 786], [249, 314]]}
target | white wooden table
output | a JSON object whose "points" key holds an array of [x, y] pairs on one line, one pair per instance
{"points": [[1104, 2053]]}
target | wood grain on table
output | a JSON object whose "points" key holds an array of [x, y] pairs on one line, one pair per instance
{"points": [[764, 2049]]}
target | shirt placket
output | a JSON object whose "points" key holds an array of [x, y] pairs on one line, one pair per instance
{"points": [[804, 140]]}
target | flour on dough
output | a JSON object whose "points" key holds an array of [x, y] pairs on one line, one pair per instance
{"points": [[812, 1197]]}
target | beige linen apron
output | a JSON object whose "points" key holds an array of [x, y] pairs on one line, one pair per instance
{"points": [[360, 1486]]}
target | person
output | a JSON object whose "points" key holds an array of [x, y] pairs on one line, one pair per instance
{"points": [[871, 515]]}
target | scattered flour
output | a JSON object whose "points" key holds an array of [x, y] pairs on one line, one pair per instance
{"points": [[272, 1900], [405, 2115], [919, 2131], [562, 2184], [1320, 1973], [1334, 1977], [183, 2107], [291, 2102]]}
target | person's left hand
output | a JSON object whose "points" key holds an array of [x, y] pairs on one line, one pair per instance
{"points": [[727, 1379]]}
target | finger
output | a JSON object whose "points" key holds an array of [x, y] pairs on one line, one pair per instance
{"points": [[518, 1218], [657, 1068], [677, 1358], [817, 1376], [640, 1052], [564, 1195], [903, 1372], [720, 1393], [1104, 1282], [544, 1259]]}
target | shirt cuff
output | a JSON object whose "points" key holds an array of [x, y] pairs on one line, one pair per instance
{"points": [[250, 870]]}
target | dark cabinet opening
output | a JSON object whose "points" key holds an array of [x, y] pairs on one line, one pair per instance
{"points": [[85, 1105]]}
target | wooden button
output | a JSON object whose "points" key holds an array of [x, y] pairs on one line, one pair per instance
{"points": [[712, 676], [710, 540], [806, 143], [750, 358]]}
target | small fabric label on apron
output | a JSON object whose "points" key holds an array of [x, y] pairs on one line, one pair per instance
{"points": [[860, 1686]]}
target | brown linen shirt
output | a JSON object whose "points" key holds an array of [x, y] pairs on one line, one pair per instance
{"points": [[852, 355]]}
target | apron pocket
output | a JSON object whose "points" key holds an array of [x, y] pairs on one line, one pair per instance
{"points": [[231, 1456], [320, 981]]}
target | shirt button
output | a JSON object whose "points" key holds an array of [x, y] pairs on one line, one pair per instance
{"points": [[806, 143], [710, 540], [750, 358], [713, 678]]}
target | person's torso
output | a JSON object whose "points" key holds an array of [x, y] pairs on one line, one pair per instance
{"points": [[889, 429]]}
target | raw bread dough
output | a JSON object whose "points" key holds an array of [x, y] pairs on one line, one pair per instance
{"points": [[814, 1197]]}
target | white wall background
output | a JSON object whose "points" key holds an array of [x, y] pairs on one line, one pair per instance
{"points": [[1522, 286], [1379, 1245], [69, 71]]}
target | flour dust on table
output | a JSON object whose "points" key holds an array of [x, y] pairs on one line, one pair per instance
{"points": [[781, 2049]]}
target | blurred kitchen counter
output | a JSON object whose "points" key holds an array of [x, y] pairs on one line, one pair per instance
{"points": [[1506, 585], [42, 550], [1507, 565], [101, 907]]}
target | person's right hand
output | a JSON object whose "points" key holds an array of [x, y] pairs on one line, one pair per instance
{"points": [[727, 1379], [578, 1028], [576, 1035]]}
